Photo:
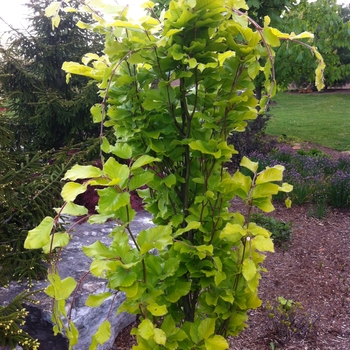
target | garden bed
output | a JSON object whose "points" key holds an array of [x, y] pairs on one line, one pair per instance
{"points": [[313, 269]]}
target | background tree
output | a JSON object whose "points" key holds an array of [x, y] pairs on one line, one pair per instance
{"points": [[38, 112], [344, 52], [332, 38], [272, 8], [44, 111]]}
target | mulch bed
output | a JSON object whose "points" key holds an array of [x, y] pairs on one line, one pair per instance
{"points": [[313, 270]]}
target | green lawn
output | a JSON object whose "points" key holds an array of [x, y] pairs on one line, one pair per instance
{"points": [[322, 118]]}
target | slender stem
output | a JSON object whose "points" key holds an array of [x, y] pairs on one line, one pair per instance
{"points": [[69, 316], [104, 100], [110, 308]]}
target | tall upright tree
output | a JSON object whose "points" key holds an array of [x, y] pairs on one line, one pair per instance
{"points": [[43, 109]]}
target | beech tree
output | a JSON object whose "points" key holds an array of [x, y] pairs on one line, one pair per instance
{"points": [[331, 35], [172, 93]]}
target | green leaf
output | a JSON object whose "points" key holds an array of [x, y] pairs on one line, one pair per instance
{"points": [[82, 172], [39, 236], [263, 244], [76, 68], [144, 160], [122, 277], [157, 310], [171, 265], [216, 342], [111, 200], [248, 269], [204, 250], [178, 290], [204, 148], [131, 291], [285, 187], [247, 163], [176, 52], [172, 32], [121, 150], [115, 170], [264, 204], [95, 300], [146, 329], [104, 332], [66, 288], [159, 336], [270, 174], [71, 190], [100, 219], [233, 232], [256, 230], [93, 344], [270, 37], [288, 203], [98, 250], [96, 112], [155, 237], [264, 190], [60, 289], [59, 240], [140, 180], [149, 105], [242, 184], [206, 328], [73, 209], [72, 334], [98, 267], [170, 180], [52, 9], [254, 69], [127, 25], [208, 4], [219, 277], [193, 225]]}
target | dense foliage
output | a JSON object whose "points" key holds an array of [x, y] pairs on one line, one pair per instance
{"points": [[173, 91], [30, 187], [12, 317], [42, 109]]}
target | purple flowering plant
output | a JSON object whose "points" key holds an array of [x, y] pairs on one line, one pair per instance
{"points": [[315, 178]]}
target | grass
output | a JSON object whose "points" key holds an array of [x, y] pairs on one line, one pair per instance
{"points": [[322, 118]]}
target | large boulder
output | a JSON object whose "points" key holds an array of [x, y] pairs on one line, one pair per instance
{"points": [[74, 263]]}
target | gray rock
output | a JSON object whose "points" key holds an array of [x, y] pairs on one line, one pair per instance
{"points": [[74, 263]]}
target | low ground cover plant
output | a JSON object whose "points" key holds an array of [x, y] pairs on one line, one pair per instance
{"points": [[280, 231], [316, 178], [287, 320]]}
